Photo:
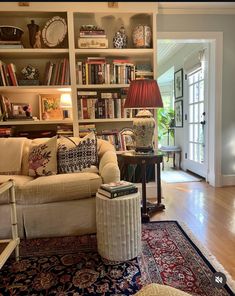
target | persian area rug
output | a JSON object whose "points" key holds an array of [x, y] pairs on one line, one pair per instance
{"points": [[177, 176], [72, 266]]}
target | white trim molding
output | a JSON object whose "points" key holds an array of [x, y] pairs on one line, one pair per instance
{"points": [[215, 39], [196, 8], [228, 180]]}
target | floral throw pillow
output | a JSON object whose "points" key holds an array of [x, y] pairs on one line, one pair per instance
{"points": [[43, 158], [73, 157]]}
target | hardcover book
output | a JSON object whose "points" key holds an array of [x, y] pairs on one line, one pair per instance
{"points": [[117, 186], [118, 193]]}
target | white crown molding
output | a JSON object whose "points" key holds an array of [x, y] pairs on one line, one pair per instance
{"points": [[196, 8]]}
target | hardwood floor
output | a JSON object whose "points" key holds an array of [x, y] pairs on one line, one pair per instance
{"points": [[210, 214]]}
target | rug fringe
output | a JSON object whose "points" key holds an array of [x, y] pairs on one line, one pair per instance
{"points": [[211, 258]]}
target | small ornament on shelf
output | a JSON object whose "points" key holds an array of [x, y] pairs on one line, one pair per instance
{"points": [[33, 30], [30, 75], [120, 38], [142, 36], [37, 43]]}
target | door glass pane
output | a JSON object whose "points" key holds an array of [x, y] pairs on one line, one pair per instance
{"points": [[196, 92], [201, 134], [196, 113], [195, 138], [201, 91], [201, 110], [191, 132], [190, 79], [190, 113], [191, 94]]}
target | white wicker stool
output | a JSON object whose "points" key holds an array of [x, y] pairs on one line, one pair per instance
{"points": [[118, 223]]}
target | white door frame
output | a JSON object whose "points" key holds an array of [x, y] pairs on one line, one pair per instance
{"points": [[215, 95]]}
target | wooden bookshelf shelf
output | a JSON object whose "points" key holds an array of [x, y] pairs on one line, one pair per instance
{"points": [[32, 53], [101, 86], [34, 122], [39, 89], [105, 120]]}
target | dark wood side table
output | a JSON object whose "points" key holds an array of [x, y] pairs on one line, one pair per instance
{"points": [[143, 160]]}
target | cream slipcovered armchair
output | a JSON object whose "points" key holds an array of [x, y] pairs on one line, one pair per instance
{"points": [[160, 290], [59, 204]]}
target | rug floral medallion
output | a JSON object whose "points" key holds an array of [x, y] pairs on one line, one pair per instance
{"points": [[71, 266]]}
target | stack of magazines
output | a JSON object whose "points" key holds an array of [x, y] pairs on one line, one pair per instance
{"points": [[116, 189]]}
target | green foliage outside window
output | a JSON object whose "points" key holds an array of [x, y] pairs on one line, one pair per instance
{"points": [[165, 120]]}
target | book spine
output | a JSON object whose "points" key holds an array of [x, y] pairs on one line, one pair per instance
{"points": [[124, 192]]}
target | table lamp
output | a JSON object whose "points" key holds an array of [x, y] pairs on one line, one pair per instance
{"points": [[143, 94], [66, 105]]}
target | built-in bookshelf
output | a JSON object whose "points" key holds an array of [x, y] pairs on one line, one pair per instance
{"points": [[96, 78]]}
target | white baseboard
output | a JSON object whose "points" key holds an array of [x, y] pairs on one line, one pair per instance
{"points": [[228, 180]]}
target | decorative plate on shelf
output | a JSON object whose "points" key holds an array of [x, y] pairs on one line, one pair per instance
{"points": [[54, 31]]}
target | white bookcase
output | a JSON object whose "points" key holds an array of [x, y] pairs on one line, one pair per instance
{"points": [[76, 14]]}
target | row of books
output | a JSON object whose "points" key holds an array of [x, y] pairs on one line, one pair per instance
{"points": [[91, 31], [93, 108], [119, 140], [57, 73], [100, 104], [85, 129], [65, 130], [96, 70], [5, 132], [117, 189], [8, 74]]}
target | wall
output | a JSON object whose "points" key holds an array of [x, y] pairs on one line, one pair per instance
{"points": [[216, 23]]}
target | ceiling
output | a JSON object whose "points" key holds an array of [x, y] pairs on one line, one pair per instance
{"points": [[166, 49]]}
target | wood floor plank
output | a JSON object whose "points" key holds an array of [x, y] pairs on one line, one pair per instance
{"points": [[209, 213]]}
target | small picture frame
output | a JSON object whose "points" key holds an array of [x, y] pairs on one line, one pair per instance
{"points": [[127, 138], [178, 84], [49, 107], [21, 110], [178, 113]]}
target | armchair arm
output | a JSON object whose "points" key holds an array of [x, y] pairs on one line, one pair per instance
{"points": [[108, 167]]}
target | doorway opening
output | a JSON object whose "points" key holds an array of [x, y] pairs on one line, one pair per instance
{"points": [[196, 137]]}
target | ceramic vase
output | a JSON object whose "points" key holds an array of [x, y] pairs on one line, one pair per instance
{"points": [[143, 128], [142, 36], [120, 39], [33, 29]]}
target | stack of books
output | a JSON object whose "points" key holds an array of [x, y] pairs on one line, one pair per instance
{"points": [[117, 189], [92, 37], [143, 71]]}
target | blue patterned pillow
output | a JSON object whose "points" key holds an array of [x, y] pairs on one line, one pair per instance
{"points": [[73, 157]]}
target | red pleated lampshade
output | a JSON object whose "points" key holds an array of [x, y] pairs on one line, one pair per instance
{"points": [[143, 93]]}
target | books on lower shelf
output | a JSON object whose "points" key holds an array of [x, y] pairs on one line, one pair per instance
{"points": [[57, 73], [8, 74], [117, 189], [101, 104]]}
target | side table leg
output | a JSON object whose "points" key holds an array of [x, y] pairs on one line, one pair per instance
{"points": [[159, 189], [14, 226], [145, 215]]}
